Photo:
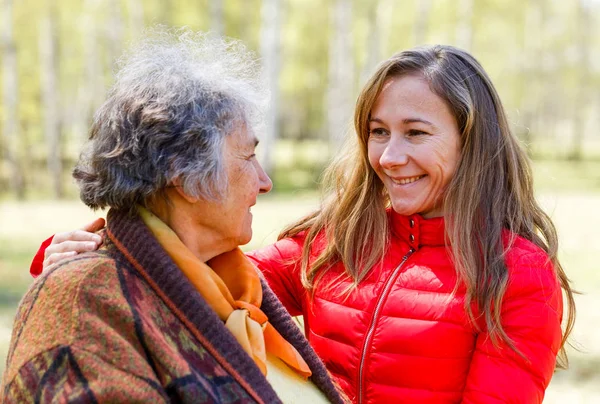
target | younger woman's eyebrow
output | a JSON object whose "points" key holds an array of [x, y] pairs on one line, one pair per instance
{"points": [[417, 120], [406, 121]]}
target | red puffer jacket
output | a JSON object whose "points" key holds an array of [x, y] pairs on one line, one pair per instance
{"points": [[402, 337]]}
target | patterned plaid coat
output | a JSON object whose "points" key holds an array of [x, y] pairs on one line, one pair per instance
{"points": [[123, 324]]}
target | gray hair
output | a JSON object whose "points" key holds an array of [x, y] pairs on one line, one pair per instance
{"points": [[176, 96]]}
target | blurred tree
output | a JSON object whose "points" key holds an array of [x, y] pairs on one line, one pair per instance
{"points": [[167, 11], [529, 82], [10, 127], [90, 89], [135, 11], [542, 56], [421, 21], [113, 28], [374, 38], [304, 70], [464, 28], [270, 51], [216, 17], [340, 87], [552, 91], [580, 105], [51, 97]]}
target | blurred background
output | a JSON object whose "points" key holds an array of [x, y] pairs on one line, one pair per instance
{"points": [[57, 62]]}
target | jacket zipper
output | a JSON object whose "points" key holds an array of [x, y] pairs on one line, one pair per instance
{"points": [[371, 329]]}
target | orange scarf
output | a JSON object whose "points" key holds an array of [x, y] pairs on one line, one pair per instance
{"points": [[231, 286]]}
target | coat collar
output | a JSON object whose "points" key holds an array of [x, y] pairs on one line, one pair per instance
{"points": [[135, 243], [416, 230]]}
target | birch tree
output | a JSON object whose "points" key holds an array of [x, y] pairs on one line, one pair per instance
{"points": [[421, 21], [10, 124], [91, 85], [51, 98], [135, 11], [374, 44], [340, 88], [270, 51], [581, 93], [113, 28], [464, 27], [531, 59], [216, 17]]}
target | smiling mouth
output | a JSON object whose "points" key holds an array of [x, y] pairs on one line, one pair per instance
{"points": [[409, 180]]}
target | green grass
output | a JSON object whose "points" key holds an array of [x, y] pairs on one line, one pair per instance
{"points": [[567, 176], [15, 256]]}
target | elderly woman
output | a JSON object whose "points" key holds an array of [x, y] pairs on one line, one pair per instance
{"points": [[168, 309], [430, 274]]}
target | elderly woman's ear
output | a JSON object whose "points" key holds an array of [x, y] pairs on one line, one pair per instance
{"points": [[177, 186]]}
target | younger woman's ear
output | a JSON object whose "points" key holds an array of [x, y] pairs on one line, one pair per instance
{"points": [[178, 187]]}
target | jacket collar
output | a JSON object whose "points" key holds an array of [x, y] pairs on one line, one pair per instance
{"points": [[416, 230], [135, 244]]}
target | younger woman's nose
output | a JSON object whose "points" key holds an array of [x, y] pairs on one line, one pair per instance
{"points": [[395, 154]]}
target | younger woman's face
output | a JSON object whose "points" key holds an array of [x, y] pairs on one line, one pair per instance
{"points": [[413, 145]]}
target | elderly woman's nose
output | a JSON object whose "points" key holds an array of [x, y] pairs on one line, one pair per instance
{"points": [[265, 182]]}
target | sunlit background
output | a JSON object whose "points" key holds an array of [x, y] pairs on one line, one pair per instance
{"points": [[57, 60]]}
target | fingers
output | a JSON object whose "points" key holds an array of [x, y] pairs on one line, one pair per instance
{"points": [[57, 252], [75, 235], [95, 225], [70, 246], [71, 243], [53, 259]]}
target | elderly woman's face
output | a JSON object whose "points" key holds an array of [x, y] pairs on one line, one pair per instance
{"points": [[230, 220], [413, 146]]}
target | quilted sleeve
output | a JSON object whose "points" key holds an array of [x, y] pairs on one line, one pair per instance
{"points": [[280, 265], [531, 317]]}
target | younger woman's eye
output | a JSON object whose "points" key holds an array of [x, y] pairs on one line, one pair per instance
{"points": [[377, 132], [416, 132]]}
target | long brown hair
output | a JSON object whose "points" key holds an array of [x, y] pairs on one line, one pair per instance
{"points": [[492, 190]]}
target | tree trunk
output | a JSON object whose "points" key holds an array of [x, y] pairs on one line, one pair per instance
{"points": [[216, 17], [136, 17], [581, 97], [547, 116], [51, 98], [422, 21], [530, 70], [341, 75], [166, 12], [10, 93], [270, 51], [374, 39], [91, 88], [464, 29], [114, 31]]}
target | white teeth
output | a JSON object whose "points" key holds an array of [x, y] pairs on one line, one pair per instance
{"points": [[405, 181]]}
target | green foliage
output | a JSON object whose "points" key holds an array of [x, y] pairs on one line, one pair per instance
{"points": [[530, 49], [299, 165]]}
